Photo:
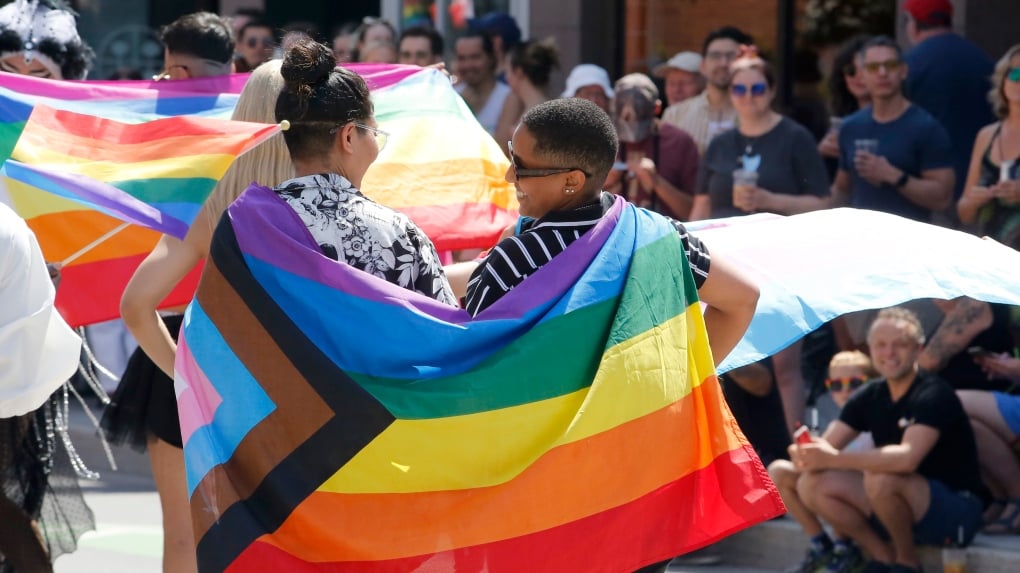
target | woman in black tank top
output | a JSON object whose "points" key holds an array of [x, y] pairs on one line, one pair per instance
{"points": [[991, 197]]}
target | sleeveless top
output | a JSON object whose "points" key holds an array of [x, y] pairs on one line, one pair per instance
{"points": [[996, 219], [489, 115]]}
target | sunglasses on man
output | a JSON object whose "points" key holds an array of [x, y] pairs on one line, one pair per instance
{"points": [[838, 384]]}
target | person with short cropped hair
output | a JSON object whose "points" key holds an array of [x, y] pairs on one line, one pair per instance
{"points": [[255, 44], [475, 65], [948, 77], [711, 113], [197, 45], [894, 156], [921, 484], [849, 372], [420, 46]]}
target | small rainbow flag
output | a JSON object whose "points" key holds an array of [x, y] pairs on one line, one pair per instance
{"points": [[155, 174], [92, 284], [440, 168], [575, 425]]}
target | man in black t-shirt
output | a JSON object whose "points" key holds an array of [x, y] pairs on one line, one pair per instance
{"points": [[921, 483]]}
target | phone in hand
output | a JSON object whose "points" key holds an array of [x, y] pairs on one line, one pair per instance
{"points": [[802, 436], [978, 352]]}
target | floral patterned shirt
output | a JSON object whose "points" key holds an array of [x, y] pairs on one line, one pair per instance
{"points": [[352, 228]]}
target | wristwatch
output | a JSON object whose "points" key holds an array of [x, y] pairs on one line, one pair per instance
{"points": [[902, 180]]}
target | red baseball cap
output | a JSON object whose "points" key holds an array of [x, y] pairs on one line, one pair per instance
{"points": [[930, 12]]}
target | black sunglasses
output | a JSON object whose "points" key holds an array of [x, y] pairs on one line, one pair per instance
{"points": [[521, 172], [837, 384]]}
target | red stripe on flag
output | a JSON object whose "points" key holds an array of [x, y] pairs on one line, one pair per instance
{"points": [[90, 292], [731, 494], [463, 225]]}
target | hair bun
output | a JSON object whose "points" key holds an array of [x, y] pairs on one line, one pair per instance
{"points": [[306, 64]]}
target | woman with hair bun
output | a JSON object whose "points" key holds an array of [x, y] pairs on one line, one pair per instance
{"points": [[333, 138], [529, 66]]}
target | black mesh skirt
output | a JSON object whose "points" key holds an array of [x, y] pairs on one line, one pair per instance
{"points": [[144, 402], [39, 481]]}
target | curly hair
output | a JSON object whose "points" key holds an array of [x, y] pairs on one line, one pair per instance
{"points": [[997, 96]]}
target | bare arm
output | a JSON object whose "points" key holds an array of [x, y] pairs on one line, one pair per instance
{"points": [[511, 113], [903, 457], [701, 207], [962, 323], [840, 195], [791, 204], [839, 434], [678, 201], [731, 298], [932, 190], [459, 274], [974, 197], [169, 262]]}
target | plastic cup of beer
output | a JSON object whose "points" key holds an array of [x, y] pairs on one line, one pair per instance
{"points": [[743, 183], [954, 560], [866, 146]]}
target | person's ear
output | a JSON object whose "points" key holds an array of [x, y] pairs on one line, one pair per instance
{"points": [[575, 180], [345, 138]]}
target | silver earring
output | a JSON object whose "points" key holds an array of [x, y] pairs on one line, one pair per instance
{"points": [[568, 191]]}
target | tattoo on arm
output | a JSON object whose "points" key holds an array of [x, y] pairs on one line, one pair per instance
{"points": [[968, 319]]}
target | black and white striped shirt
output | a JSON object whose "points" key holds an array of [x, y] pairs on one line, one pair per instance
{"points": [[516, 258]]}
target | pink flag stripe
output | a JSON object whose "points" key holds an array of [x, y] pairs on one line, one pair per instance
{"points": [[200, 410]]}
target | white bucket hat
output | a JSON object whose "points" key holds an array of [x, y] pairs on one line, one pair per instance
{"points": [[587, 75]]}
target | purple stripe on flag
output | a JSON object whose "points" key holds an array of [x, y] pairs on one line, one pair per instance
{"points": [[101, 195], [122, 90], [380, 76], [269, 230]]}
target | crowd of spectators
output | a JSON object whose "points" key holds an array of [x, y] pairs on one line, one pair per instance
{"points": [[931, 134]]}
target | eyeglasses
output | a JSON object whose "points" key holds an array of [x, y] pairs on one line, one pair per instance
{"points": [[1013, 75], [521, 172], [381, 137], [756, 89], [267, 42], [837, 384], [888, 65], [721, 56]]}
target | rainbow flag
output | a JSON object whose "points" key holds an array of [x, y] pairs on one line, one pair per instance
{"points": [[440, 168], [91, 285], [155, 174], [575, 425]]}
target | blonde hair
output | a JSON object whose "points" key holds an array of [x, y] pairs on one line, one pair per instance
{"points": [[997, 96], [854, 359], [904, 315], [268, 163]]}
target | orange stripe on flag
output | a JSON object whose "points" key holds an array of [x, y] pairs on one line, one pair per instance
{"points": [[544, 496]]}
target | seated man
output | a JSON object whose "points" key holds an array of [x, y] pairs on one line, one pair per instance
{"points": [[921, 484]]}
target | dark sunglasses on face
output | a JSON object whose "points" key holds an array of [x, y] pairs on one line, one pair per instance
{"points": [[756, 89], [521, 172], [266, 42], [1013, 75], [837, 384], [889, 66]]}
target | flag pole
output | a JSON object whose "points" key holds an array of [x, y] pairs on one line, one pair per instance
{"points": [[94, 244]]}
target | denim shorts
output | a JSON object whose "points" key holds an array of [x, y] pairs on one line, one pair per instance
{"points": [[948, 511], [1009, 408]]}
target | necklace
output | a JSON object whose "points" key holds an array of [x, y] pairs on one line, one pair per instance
{"points": [[749, 161]]}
